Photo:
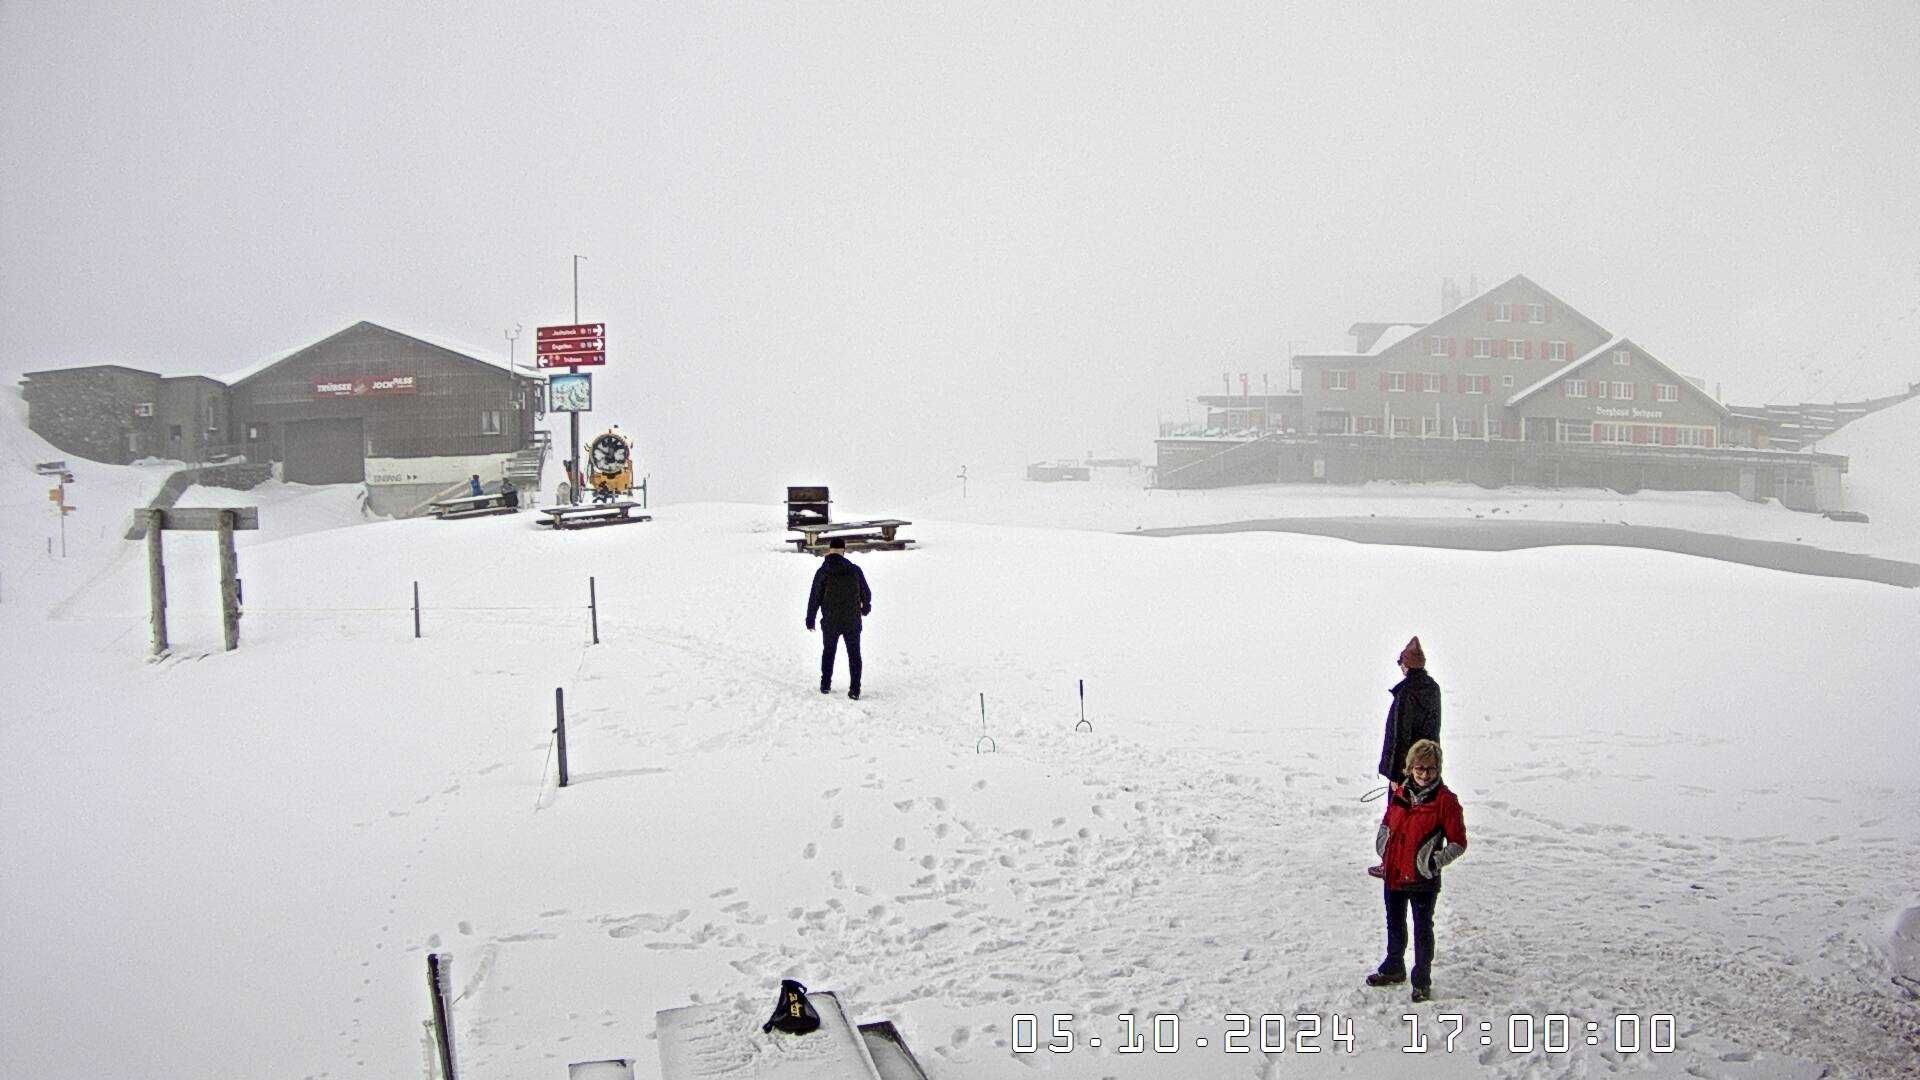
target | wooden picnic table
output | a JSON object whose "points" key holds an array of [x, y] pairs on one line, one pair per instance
{"points": [[861, 535], [578, 517], [474, 506]]}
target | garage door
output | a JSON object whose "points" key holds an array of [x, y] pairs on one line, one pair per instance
{"points": [[326, 452]]}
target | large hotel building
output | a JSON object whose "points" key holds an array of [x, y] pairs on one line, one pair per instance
{"points": [[1511, 386]]}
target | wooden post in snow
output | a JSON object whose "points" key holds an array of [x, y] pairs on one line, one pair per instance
{"points": [[157, 579], [229, 583], [443, 1033], [560, 728]]}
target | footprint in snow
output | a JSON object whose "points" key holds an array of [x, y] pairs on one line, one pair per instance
{"points": [[809, 851]]}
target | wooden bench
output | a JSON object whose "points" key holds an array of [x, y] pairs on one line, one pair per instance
{"points": [[581, 517], [474, 506], [877, 535]]}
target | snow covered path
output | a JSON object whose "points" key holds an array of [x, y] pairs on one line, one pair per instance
{"points": [[1684, 782]]}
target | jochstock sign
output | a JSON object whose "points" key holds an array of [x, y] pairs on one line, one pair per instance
{"points": [[578, 345]]}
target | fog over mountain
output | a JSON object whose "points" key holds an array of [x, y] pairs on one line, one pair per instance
{"points": [[866, 246]]}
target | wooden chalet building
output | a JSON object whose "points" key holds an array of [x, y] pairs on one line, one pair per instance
{"points": [[1513, 386]]}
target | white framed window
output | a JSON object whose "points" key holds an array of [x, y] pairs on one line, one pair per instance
{"points": [[1464, 428], [1396, 382], [1483, 348], [1473, 384], [1693, 436], [1516, 349], [1333, 423], [1496, 429], [144, 408], [1403, 425], [1429, 383], [1503, 313], [1612, 433], [1556, 350], [1623, 391], [1429, 426], [1366, 425], [1666, 392], [1436, 346], [490, 421], [1599, 388], [1576, 388], [1576, 431], [1340, 380], [1537, 313], [1506, 381], [1623, 358]]}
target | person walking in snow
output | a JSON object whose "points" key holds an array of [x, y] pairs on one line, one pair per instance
{"points": [[1423, 831], [1414, 714], [840, 598]]}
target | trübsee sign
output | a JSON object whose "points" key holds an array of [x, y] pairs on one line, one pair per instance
{"points": [[575, 345], [398, 384]]}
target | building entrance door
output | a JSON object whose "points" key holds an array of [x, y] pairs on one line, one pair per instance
{"points": [[326, 452]]}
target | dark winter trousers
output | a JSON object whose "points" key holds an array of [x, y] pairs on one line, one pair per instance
{"points": [[1422, 902], [830, 636]]}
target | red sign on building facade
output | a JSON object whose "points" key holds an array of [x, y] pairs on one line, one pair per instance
{"points": [[397, 384]]}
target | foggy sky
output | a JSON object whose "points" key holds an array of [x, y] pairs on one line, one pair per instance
{"points": [[863, 245]]}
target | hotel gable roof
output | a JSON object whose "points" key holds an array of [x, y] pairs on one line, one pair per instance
{"points": [[1614, 345], [1462, 321]]}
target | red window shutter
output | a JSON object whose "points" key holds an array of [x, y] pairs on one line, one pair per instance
{"points": [[1526, 348], [1546, 311], [1443, 384], [1563, 386], [1488, 311]]}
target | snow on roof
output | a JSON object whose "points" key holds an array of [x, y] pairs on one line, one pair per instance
{"points": [[1393, 335], [232, 378], [1548, 379], [1617, 342]]}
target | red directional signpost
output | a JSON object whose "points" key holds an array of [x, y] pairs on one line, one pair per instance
{"points": [[572, 347], [579, 345]]}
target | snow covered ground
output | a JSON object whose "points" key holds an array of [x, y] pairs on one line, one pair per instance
{"points": [[1687, 784]]}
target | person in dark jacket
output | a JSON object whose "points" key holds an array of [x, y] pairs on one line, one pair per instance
{"points": [[1422, 832], [1414, 714], [840, 598], [473, 485]]}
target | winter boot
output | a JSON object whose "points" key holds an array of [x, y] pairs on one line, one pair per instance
{"points": [[1386, 978], [854, 693], [826, 687], [1422, 993]]}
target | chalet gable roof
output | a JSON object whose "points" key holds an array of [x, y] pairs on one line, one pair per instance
{"points": [[1399, 333], [1613, 345], [464, 352]]}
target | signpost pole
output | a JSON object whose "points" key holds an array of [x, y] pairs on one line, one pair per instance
{"points": [[156, 579], [573, 482], [229, 583]]}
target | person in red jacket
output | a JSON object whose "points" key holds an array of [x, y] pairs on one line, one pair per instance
{"points": [[1423, 831]]}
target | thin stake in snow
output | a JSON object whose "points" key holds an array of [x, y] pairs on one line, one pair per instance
{"points": [[416, 609], [1084, 722], [984, 739], [593, 605], [442, 1031], [560, 729]]}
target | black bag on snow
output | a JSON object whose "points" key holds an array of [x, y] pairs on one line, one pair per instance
{"points": [[793, 1013]]}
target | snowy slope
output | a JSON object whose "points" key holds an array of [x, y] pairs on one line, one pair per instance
{"points": [[1883, 451], [1683, 798]]}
